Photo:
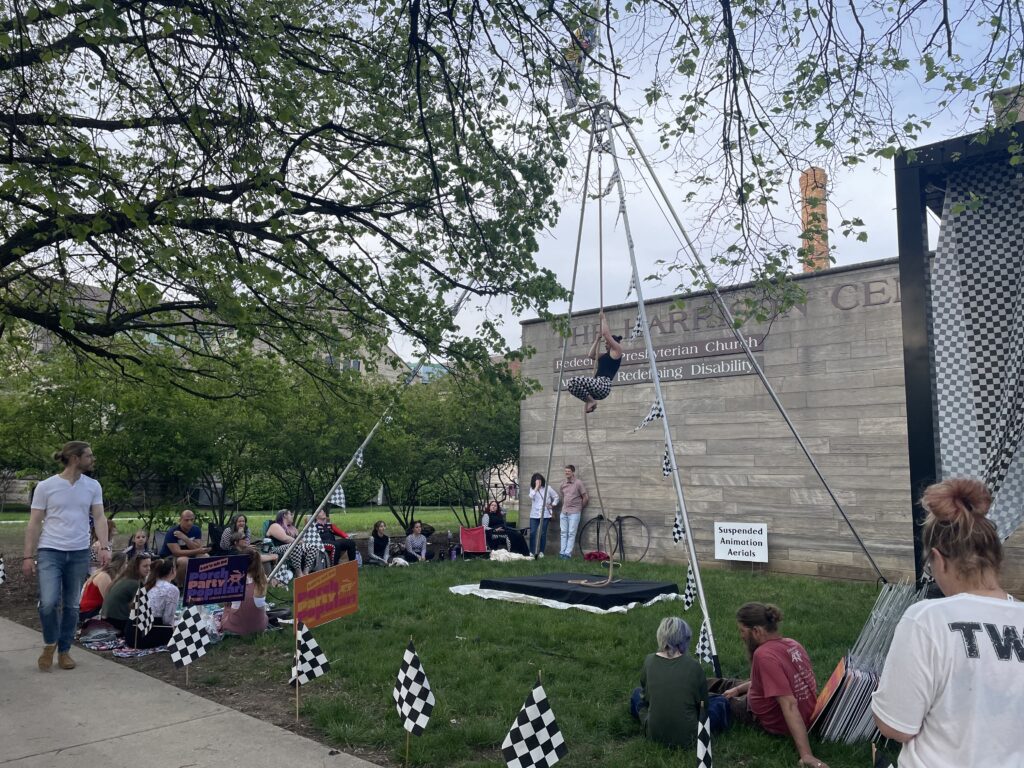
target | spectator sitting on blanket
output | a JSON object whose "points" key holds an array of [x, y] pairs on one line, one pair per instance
{"points": [[248, 616], [118, 602], [672, 688], [332, 535], [237, 530], [97, 586], [493, 521], [138, 545], [163, 597], [183, 542], [379, 549], [282, 532], [416, 545], [780, 696]]}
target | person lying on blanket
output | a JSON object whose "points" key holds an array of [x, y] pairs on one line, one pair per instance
{"points": [[590, 389]]}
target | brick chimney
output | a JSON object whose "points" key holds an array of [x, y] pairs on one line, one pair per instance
{"points": [[814, 216]]}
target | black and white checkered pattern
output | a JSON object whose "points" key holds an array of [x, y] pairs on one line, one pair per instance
{"points": [[337, 497], [977, 314], [632, 285], [656, 412], [678, 531], [597, 387], [413, 698], [704, 643], [690, 593], [359, 458], [190, 638], [667, 465], [638, 328], [312, 663], [610, 186], [534, 738], [311, 537], [141, 614], [3, 571], [703, 738]]}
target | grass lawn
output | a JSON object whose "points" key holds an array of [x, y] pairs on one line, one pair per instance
{"points": [[482, 658]]}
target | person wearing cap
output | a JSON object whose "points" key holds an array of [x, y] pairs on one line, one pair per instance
{"points": [[591, 389]]}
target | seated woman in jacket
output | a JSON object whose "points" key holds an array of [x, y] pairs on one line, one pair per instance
{"points": [[94, 592], [248, 616], [333, 536], [118, 602], [163, 595], [672, 688], [498, 532], [379, 548], [416, 545]]}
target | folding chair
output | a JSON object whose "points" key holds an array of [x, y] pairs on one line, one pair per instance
{"points": [[473, 542]]}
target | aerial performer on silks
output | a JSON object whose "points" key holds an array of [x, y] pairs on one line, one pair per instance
{"points": [[590, 389]]}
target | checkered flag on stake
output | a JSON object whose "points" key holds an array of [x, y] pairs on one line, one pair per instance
{"points": [[141, 614], [703, 738], [690, 593], [534, 738], [312, 663], [413, 698], [666, 462], [190, 638], [704, 643], [359, 458], [632, 285], [678, 532], [337, 497], [656, 412], [638, 328]]}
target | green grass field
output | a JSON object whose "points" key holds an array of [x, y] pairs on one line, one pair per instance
{"points": [[482, 658]]}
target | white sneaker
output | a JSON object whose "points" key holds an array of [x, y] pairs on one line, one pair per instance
{"points": [[540, 554]]}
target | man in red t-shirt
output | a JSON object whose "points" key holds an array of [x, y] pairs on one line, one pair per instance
{"points": [[781, 692]]}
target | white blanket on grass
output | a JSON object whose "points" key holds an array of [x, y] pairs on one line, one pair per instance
{"points": [[516, 597]]}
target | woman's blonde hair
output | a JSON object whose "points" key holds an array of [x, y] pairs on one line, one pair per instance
{"points": [[957, 526]]}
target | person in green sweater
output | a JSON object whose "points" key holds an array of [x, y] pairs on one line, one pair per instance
{"points": [[672, 688], [118, 602]]}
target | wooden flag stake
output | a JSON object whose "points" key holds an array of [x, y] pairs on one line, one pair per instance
{"points": [[295, 639], [407, 735], [186, 674]]}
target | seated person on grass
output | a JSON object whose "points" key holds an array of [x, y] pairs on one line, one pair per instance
{"points": [[498, 531], [237, 530], [416, 545], [672, 688], [333, 536], [282, 532], [780, 696], [140, 544], [379, 547], [163, 597], [118, 602], [97, 586], [183, 542], [248, 616]]}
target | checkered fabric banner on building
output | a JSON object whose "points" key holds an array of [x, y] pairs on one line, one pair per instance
{"points": [[190, 638], [638, 329], [703, 738], [141, 614], [656, 412], [311, 662], [666, 462], [534, 738], [690, 593], [977, 324], [3, 571], [704, 643], [413, 698], [337, 497]]}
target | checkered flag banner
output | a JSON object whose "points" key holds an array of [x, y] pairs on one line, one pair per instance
{"points": [[666, 462], [337, 497], [632, 285], [141, 614], [704, 643], [3, 571], [690, 593], [413, 698], [359, 459], [312, 663], [656, 412], [678, 532], [610, 185], [190, 638], [534, 738], [703, 738], [638, 328], [311, 537]]}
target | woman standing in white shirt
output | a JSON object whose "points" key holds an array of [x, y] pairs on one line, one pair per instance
{"points": [[542, 499], [952, 688]]}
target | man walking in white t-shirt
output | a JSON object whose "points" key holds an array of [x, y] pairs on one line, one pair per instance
{"points": [[59, 525]]}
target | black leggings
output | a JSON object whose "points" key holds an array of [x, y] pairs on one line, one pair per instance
{"points": [[344, 545]]}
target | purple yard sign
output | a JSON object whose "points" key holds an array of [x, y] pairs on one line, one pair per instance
{"points": [[215, 579]]}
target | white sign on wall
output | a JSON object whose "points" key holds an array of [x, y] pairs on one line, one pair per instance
{"points": [[741, 541]]}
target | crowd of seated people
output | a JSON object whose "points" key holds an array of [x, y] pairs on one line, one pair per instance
{"points": [[94, 592], [335, 540], [163, 595]]}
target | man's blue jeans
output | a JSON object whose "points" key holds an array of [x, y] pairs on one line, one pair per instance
{"points": [[567, 533], [61, 575], [538, 542]]}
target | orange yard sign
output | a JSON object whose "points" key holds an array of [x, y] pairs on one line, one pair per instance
{"points": [[326, 595]]}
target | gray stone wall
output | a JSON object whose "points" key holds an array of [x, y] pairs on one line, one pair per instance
{"points": [[836, 364]]}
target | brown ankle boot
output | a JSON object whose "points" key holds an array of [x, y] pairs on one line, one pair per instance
{"points": [[46, 657], [64, 660]]}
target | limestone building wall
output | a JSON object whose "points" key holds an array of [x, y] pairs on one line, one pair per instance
{"points": [[837, 365]]}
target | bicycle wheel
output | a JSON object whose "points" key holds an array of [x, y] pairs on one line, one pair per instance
{"points": [[632, 538], [594, 535]]}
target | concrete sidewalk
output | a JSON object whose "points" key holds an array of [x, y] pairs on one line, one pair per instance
{"points": [[107, 715]]}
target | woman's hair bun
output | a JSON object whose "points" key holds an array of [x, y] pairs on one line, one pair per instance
{"points": [[957, 499]]}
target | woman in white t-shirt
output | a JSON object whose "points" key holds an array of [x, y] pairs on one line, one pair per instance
{"points": [[952, 689]]}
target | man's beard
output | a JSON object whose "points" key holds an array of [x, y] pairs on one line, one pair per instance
{"points": [[751, 644]]}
